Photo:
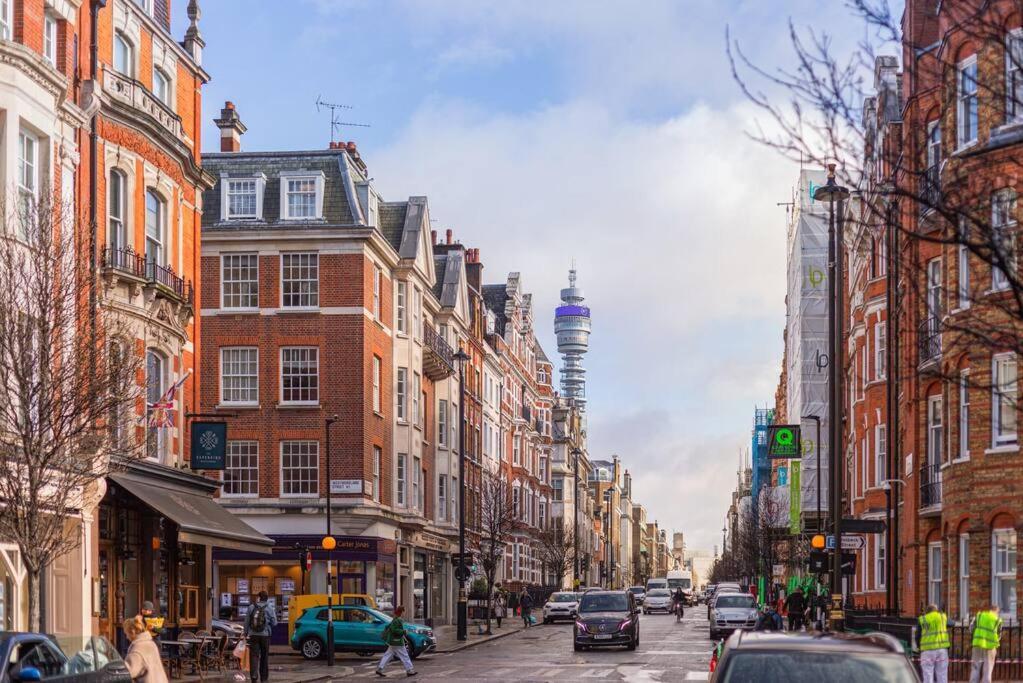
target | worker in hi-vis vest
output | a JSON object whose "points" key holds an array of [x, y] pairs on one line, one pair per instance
{"points": [[934, 645], [987, 629]]}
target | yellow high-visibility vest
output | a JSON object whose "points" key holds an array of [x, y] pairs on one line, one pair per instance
{"points": [[933, 631], [987, 630]]}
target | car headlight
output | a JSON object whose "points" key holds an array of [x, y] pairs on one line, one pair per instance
{"points": [[581, 626]]}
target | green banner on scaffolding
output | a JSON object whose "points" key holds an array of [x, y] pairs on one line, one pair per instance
{"points": [[795, 497]]}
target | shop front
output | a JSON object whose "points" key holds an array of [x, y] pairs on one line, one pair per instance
{"points": [[429, 577], [362, 565], [157, 529]]}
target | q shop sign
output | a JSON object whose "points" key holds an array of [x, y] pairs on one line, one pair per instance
{"points": [[783, 442]]}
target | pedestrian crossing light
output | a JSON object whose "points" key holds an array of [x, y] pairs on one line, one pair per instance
{"points": [[817, 542]]}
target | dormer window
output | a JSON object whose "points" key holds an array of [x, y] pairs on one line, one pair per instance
{"points": [[301, 195], [242, 198]]}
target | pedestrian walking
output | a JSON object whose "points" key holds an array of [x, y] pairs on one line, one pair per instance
{"points": [[143, 658], [526, 605], [934, 645], [795, 605], [499, 608], [259, 623], [987, 632], [394, 636]]}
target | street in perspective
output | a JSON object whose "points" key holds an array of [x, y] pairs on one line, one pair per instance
{"points": [[472, 340]]}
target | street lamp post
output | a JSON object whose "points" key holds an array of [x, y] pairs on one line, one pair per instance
{"points": [[610, 542], [463, 608], [576, 452], [835, 194], [328, 544]]}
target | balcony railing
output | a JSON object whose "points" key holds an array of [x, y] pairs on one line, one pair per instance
{"points": [[439, 358], [527, 414], [125, 260], [930, 486], [165, 277], [929, 339], [932, 188], [132, 93]]}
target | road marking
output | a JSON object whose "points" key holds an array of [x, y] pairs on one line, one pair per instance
{"points": [[550, 673], [698, 676], [500, 672], [596, 673]]}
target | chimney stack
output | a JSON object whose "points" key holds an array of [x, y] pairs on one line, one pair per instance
{"points": [[433, 237], [231, 128], [448, 234]]}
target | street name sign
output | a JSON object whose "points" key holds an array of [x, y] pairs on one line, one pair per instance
{"points": [[783, 442], [848, 542]]}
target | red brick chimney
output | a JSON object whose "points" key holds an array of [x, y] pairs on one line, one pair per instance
{"points": [[231, 128], [448, 234], [433, 237]]}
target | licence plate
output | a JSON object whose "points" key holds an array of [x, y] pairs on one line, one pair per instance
{"points": [[603, 636]]}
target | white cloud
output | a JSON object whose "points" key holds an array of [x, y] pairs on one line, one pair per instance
{"points": [[476, 52]]}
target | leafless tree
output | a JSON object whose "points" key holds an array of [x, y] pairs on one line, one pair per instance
{"points": [[498, 521], [61, 425], [556, 547]]}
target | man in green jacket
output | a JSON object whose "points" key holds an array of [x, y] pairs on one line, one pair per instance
{"points": [[934, 645], [394, 636], [987, 631]]}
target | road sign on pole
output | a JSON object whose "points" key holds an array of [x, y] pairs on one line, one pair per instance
{"points": [[848, 542]]}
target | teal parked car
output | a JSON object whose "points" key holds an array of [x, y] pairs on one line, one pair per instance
{"points": [[357, 629]]}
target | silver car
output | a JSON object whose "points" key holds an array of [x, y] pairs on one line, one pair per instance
{"points": [[561, 605], [657, 600], [732, 612]]}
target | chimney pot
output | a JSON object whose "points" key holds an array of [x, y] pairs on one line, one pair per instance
{"points": [[448, 234], [433, 236], [231, 128], [351, 146]]}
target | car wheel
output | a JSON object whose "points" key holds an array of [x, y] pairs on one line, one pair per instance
{"points": [[632, 644], [412, 651], [311, 647], [577, 647], [546, 620]]}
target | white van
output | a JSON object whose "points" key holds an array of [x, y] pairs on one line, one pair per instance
{"points": [[656, 583]]}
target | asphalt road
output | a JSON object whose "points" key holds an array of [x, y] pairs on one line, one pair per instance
{"points": [[668, 651]]}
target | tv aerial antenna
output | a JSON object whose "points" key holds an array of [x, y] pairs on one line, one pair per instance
{"points": [[335, 121]]}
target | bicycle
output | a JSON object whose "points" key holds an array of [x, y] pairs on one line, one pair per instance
{"points": [[680, 611]]}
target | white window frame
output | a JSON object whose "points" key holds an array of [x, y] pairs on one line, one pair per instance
{"points": [[967, 100], [516, 449], [230, 263], [934, 286], [377, 365], [1014, 76], [442, 423], [880, 453], [455, 441], [146, 5], [964, 415], [964, 577], [963, 279], [159, 239], [166, 96], [417, 313], [401, 307], [880, 561], [1003, 232], [1010, 552], [401, 480], [377, 457], [401, 394], [417, 484], [935, 570], [378, 277], [935, 431], [880, 350], [238, 187], [307, 300], [6, 19], [314, 452], [126, 69], [251, 468], [442, 498], [417, 385], [1000, 439], [318, 183], [28, 173], [315, 351], [50, 38], [227, 351], [117, 210]]}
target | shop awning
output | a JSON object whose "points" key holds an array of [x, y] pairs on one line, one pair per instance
{"points": [[199, 516]]}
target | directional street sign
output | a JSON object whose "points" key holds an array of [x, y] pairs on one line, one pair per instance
{"points": [[783, 442], [848, 542]]}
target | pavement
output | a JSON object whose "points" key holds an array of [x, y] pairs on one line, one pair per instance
{"points": [[668, 651]]}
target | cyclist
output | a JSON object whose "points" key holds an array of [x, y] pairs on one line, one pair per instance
{"points": [[678, 601]]}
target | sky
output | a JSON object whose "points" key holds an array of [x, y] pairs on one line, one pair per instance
{"points": [[608, 133]]}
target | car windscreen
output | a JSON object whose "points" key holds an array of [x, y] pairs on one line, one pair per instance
{"points": [[604, 602], [659, 593], [734, 601], [563, 597], [813, 667], [637, 590]]}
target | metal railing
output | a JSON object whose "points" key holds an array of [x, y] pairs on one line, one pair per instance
{"points": [[527, 413], [930, 485], [929, 339], [167, 278], [932, 187], [125, 260], [439, 346]]}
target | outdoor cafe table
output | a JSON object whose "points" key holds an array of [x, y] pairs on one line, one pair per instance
{"points": [[197, 645]]}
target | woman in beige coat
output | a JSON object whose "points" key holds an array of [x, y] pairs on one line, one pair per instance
{"points": [[143, 658]]}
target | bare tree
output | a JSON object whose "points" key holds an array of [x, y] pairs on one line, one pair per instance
{"points": [[61, 424], [556, 547], [497, 522]]}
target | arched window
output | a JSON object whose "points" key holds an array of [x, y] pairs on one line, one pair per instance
{"points": [[124, 55], [162, 85], [117, 200], [156, 219], [156, 416]]}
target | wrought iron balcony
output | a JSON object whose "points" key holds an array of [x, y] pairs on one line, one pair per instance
{"points": [[438, 357], [929, 340], [932, 188], [930, 486], [124, 260]]}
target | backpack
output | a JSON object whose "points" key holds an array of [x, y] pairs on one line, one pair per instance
{"points": [[258, 620]]}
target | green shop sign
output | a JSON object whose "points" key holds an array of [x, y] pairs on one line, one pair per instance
{"points": [[783, 442]]}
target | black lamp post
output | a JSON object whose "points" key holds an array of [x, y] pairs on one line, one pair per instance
{"points": [[463, 608], [835, 194], [610, 541], [329, 544], [576, 453]]}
